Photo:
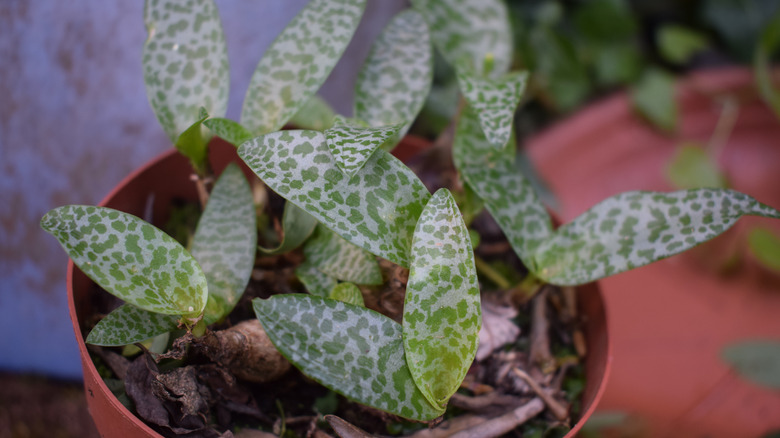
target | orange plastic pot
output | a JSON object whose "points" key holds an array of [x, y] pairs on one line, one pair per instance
{"points": [[154, 186], [671, 319]]}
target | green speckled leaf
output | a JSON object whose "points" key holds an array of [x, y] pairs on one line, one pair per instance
{"points": [[315, 281], [130, 258], [340, 259], [297, 226], [469, 31], [442, 309], [351, 146], [350, 349], [495, 102], [348, 293], [225, 240], [128, 324], [376, 209], [228, 130], [633, 229], [508, 196], [316, 115], [395, 79], [185, 62], [298, 62]]}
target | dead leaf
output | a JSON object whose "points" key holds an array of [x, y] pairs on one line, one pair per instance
{"points": [[498, 329]]}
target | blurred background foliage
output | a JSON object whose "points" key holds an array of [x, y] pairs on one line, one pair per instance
{"points": [[580, 50]]}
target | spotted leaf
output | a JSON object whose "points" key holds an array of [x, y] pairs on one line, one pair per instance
{"points": [[315, 281], [395, 79], [130, 258], [298, 62], [350, 349], [633, 229], [185, 62], [297, 226], [228, 130], [348, 293], [508, 195], [442, 309], [128, 324], [470, 31], [495, 102], [351, 146], [376, 209], [225, 241], [340, 259]]}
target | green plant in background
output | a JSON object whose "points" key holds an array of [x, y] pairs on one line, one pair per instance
{"points": [[350, 201]]}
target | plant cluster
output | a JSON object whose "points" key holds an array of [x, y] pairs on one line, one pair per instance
{"points": [[349, 201]]}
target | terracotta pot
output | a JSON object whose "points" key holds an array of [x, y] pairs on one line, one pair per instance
{"points": [[167, 178], [671, 319]]}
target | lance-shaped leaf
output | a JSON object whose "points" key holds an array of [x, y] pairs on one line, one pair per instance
{"points": [[469, 31], [297, 226], [225, 240], [351, 146], [394, 82], [442, 308], [348, 293], [495, 102], [508, 196], [340, 259], [633, 229], [376, 209], [298, 61], [228, 130], [128, 324], [350, 349], [185, 62], [315, 281], [130, 258]]}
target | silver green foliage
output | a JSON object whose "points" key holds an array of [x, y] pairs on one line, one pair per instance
{"points": [[185, 62], [297, 226], [128, 324], [315, 281], [633, 229], [228, 130], [348, 293], [351, 146], [509, 197], [298, 61], [469, 31], [350, 349], [442, 314], [340, 259], [396, 77], [225, 241], [130, 259], [376, 209], [495, 102]]}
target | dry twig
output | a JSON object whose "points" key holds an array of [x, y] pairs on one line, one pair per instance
{"points": [[558, 410]]}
